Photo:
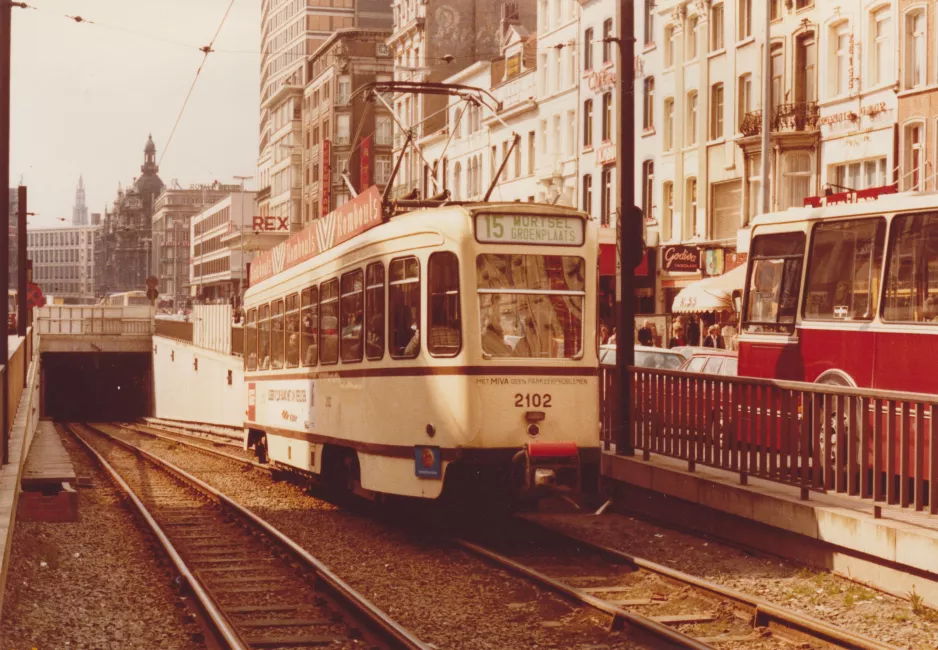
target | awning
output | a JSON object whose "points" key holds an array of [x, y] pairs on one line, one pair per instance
{"points": [[710, 294]]}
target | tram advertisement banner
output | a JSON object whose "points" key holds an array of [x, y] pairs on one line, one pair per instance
{"points": [[355, 217], [325, 183], [287, 404]]}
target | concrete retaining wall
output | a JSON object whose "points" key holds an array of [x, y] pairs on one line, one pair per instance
{"points": [[193, 384]]}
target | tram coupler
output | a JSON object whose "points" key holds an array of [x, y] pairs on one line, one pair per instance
{"points": [[550, 466]]}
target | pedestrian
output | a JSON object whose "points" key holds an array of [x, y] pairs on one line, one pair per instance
{"points": [[714, 340], [677, 337], [603, 334], [645, 336], [730, 334], [693, 331]]}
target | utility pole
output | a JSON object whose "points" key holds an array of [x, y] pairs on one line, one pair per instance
{"points": [[627, 230], [765, 169], [21, 309], [6, 28]]}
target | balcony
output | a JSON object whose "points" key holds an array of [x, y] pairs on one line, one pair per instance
{"points": [[786, 118]]}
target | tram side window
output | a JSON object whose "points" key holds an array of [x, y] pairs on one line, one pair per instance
{"points": [[310, 334], [444, 337], [844, 265], [276, 335], [293, 330], [911, 291], [404, 306], [774, 282], [352, 311], [374, 311], [250, 343], [263, 337], [329, 322]]}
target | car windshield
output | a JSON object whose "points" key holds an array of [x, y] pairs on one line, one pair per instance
{"points": [[647, 359], [531, 306]]}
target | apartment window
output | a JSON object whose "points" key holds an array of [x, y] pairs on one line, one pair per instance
{"points": [[343, 129], [558, 138], [797, 180], [745, 97], [607, 43], [691, 129], [690, 53], [648, 189], [648, 120], [744, 19], [587, 204], [778, 74], [667, 199], [881, 56], [755, 184], [588, 123], [669, 124], [517, 157], [775, 9], [806, 69], [803, 4], [716, 27], [915, 51], [343, 90], [840, 59], [649, 22], [588, 49], [669, 46], [382, 169], [860, 175], [690, 198], [914, 156], [716, 111], [605, 196], [383, 130], [531, 151], [607, 117]]}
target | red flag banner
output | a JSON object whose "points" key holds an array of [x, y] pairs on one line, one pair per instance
{"points": [[365, 173]]}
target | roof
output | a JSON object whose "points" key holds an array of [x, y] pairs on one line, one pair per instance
{"points": [[902, 202]]}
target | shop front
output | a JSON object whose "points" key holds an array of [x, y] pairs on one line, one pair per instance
{"points": [[645, 276]]}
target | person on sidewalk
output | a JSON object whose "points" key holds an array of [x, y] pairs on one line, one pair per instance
{"points": [[714, 340]]}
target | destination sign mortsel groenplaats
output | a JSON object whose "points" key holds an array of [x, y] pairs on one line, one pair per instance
{"points": [[526, 229]]}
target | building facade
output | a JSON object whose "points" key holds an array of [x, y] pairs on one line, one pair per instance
{"points": [[173, 210], [220, 252], [291, 31], [916, 23], [333, 157], [64, 262], [125, 253]]}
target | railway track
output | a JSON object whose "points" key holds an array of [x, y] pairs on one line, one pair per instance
{"points": [[639, 594], [666, 606], [251, 586]]}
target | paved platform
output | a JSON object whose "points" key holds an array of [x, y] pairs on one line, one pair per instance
{"points": [[48, 465], [894, 553]]}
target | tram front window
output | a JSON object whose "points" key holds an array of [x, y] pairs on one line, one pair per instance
{"points": [[531, 306]]}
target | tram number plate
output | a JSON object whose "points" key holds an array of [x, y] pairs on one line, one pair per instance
{"points": [[533, 400]]}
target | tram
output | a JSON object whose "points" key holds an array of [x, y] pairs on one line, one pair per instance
{"points": [[447, 345], [126, 298]]}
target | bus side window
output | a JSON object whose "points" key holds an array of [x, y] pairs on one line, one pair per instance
{"points": [[374, 311], [263, 337], [404, 307], [351, 309], [310, 334], [276, 335], [444, 338], [329, 322], [293, 330], [910, 293], [250, 342]]}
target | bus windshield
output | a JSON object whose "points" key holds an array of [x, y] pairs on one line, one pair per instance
{"points": [[531, 306], [774, 282]]}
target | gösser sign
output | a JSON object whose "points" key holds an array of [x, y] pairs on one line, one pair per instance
{"points": [[511, 229], [680, 258]]}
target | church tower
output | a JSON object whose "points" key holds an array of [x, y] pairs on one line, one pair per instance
{"points": [[80, 210]]}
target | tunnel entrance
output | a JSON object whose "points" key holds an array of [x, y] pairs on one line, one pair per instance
{"points": [[96, 387]]}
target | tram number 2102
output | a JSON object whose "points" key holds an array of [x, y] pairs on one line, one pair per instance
{"points": [[532, 400]]}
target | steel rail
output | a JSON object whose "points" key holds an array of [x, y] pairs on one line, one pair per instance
{"points": [[381, 625], [642, 624], [136, 428], [218, 623], [765, 614]]}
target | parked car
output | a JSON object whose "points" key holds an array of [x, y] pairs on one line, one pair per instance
{"points": [[710, 361], [648, 357]]}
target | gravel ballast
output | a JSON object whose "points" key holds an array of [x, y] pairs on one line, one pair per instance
{"points": [[90, 584], [445, 596]]}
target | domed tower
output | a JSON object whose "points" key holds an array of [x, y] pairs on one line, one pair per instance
{"points": [[149, 185]]}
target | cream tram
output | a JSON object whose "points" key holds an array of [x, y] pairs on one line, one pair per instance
{"points": [[447, 345]]}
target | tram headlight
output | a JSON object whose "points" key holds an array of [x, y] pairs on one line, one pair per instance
{"points": [[534, 430]]}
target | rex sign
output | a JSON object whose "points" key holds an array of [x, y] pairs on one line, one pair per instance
{"points": [[355, 217], [270, 224]]}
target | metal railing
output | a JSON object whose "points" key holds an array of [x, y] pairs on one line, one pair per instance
{"points": [[798, 116], [876, 445], [75, 320]]}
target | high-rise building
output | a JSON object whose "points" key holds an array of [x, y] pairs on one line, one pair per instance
{"points": [[64, 261], [80, 210], [220, 248], [290, 33]]}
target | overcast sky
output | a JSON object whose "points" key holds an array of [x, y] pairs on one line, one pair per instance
{"points": [[85, 97]]}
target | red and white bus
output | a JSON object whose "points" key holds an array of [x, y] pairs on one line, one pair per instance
{"points": [[845, 295]]}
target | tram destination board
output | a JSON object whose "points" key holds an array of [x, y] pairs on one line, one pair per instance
{"points": [[530, 229]]}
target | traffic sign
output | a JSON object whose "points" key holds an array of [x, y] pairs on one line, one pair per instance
{"points": [[152, 282]]}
